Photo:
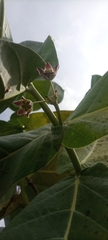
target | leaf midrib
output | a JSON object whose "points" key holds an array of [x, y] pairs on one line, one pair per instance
{"points": [[72, 207]]}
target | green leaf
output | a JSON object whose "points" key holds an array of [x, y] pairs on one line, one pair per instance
{"points": [[5, 198], [36, 120], [5, 32], [47, 176], [89, 121], [24, 153], [5, 104], [84, 130], [35, 46], [78, 204], [64, 163], [1, 229], [24, 62], [94, 79], [7, 128], [88, 155], [99, 153], [46, 50], [95, 99]]}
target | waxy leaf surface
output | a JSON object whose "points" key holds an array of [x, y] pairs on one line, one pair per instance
{"points": [[75, 208], [85, 129], [24, 153]]}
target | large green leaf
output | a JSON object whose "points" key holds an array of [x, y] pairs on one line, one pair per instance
{"points": [[24, 153], [85, 129], [5, 32], [17, 68], [75, 208], [46, 50], [95, 99]]}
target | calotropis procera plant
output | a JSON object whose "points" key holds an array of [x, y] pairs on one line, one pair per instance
{"points": [[53, 165]]}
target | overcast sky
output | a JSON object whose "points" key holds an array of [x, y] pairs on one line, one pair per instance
{"points": [[80, 31]]}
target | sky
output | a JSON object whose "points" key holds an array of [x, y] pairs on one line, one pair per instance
{"points": [[79, 30]]}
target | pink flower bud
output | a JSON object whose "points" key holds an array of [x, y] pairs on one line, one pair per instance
{"points": [[48, 72], [25, 106]]}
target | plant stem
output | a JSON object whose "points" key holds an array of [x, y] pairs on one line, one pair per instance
{"points": [[52, 88], [56, 104], [74, 159], [24, 195], [43, 104], [58, 113], [29, 181], [53, 119]]}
